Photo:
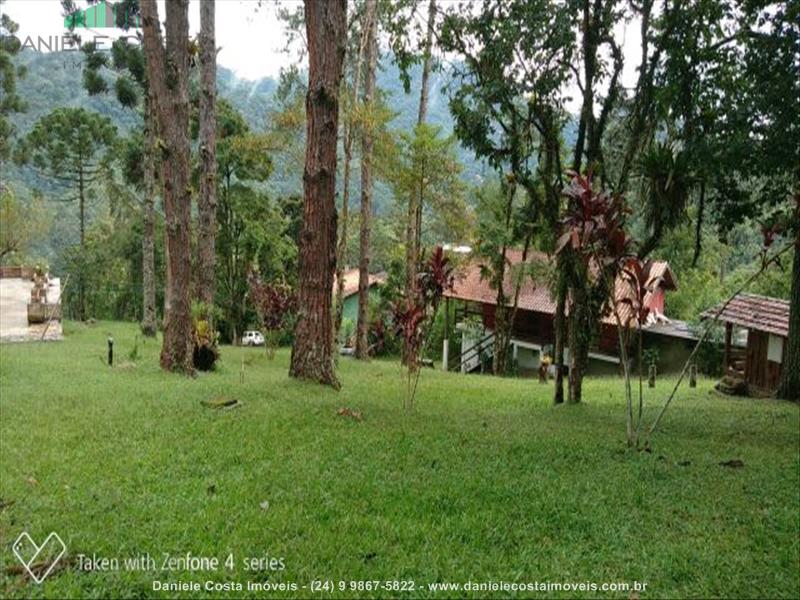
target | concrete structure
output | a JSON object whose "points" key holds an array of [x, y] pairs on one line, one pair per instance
{"points": [[17, 310]]}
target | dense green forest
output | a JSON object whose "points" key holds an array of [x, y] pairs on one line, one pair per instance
{"points": [[480, 150], [54, 79]]}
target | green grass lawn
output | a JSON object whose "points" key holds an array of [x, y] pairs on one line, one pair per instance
{"points": [[484, 481]]}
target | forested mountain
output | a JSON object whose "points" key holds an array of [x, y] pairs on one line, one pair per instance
{"points": [[54, 80]]}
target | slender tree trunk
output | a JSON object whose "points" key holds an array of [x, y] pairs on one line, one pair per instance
{"points": [[641, 388], [553, 185], [326, 30], [698, 228], [82, 274], [640, 125], [623, 354], [371, 58], [168, 78], [207, 199], [588, 43], [412, 253], [500, 355], [413, 217], [426, 65], [560, 326], [148, 325], [341, 250], [512, 317], [789, 386], [579, 335], [501, 317]]}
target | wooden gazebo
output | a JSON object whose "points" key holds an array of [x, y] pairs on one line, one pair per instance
{"points": [[765, 322]]}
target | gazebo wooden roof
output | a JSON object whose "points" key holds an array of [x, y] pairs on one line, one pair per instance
{"points": [[759, 313]]}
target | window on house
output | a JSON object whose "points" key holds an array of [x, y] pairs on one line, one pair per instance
{"points": [[775, 349]]}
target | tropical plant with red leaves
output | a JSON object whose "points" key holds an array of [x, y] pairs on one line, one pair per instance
{"points": [[594, 223], [275, 304], [637, 293], [377, 335], [594, 233], [436, 277], [409, 317], [413, 317], [592, 243], [638, 288]]}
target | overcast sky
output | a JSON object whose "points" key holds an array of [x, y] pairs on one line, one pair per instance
{"points": [[250, 36]]}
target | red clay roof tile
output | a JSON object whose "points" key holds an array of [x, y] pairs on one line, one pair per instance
{"points": [[760, 313]]}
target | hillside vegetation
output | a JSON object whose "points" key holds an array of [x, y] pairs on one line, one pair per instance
{"points": [[54, 80]]}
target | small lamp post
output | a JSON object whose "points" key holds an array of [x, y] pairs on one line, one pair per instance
{"points": [[110, 351]]}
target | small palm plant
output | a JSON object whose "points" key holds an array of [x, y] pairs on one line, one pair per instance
{"points": [[204, 337], [667, 179]]}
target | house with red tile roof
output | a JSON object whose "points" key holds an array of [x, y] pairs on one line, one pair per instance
{"points": [[533, 333]]}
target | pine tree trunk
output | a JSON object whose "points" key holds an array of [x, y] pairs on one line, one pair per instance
{"points": [[500, 318], [167, 275], [789, 386], [426, 64], [341, 250], [171, 95], [371, 58], [313, 336], [82, 271], [207, 199], [149, 325], [414, 214]]}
